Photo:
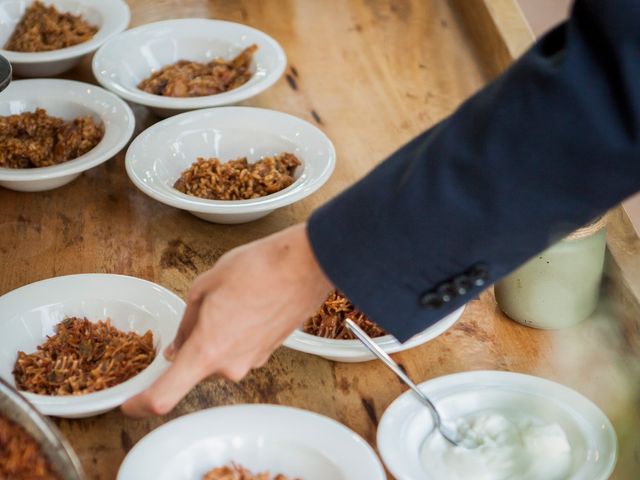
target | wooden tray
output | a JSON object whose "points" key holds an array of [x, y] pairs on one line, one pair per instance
{"points": [[371, 74]]}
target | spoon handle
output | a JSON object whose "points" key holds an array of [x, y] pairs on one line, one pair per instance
{"points": [[389, 362]]}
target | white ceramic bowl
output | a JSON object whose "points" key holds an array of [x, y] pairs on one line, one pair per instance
{"points": [[406, 423], [272, 438], [350, 351], [158, 156], [111, 16], [66, 99], [127, 59], [30, 313]]}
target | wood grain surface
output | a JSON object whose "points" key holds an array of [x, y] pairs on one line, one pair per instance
{"points": [[370, 74]]}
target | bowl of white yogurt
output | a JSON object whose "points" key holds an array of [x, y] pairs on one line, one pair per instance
{"points": [[523, 427]]}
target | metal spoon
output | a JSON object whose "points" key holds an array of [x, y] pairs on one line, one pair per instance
{"points": [[452, 437]]}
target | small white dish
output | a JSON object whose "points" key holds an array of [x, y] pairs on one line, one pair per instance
{"points": [[127, 59], [406, 423], [293, 442], [67, 99], [30, 313], [350, 351], [111, 17], [158, 156]]}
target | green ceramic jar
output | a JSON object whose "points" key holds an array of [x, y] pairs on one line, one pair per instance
{"points": [[559, 287]]}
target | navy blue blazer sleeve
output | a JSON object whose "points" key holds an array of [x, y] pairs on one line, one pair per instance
{"points": [[547, 146]]}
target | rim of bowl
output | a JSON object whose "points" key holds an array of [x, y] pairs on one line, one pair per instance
{"points": [[118, 10], [365, 450], [439, 388], [301, 188], [94, 157], [88, 403], [243, 92], [313, 344]]}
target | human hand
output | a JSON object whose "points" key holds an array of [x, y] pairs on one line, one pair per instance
{"points": [[237, 314]]}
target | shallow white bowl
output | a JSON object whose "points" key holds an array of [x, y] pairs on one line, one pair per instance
{"points": [[272, 438], [127, 59], [406, 423], [66, 99], [158, 156], [30, 313], [111, 16], [350, 351]]}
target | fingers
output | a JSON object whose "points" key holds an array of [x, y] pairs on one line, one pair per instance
{"points": [[262, 361], [189, 320], [188, 368]]}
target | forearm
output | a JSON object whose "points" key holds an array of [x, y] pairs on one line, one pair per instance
{"points": [[540, 151]]}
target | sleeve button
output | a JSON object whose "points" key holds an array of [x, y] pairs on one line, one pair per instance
{"points": [[479, 274], [446, 292], [462, 284], [431, 300]]}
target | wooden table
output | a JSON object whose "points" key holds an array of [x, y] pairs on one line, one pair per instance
{"points": [[371, 74]]}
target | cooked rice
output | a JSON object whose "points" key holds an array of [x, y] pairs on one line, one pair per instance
{"points": [[36, 139], [83, 357], [43, 28], [238, 179], [193, 79], [21, 457], [237, 472]]}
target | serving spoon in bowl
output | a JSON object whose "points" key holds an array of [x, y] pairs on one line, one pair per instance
{"points": [[450, 435]]}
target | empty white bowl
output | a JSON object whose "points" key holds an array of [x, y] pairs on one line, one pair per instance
{"points": [[30, 313], [127, 59], [110, 16], [406, 423], [66, 99], [350, 351], [293, 442], [157, 157]]}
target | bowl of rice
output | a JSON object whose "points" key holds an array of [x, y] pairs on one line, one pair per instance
{"points": [[53, 130], [44, 38], [325, 334], [80, 345], [174, 66], [230, 164], [252, 442]]}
